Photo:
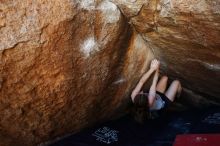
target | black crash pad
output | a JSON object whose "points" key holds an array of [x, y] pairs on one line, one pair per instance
{"points": [[157, 132]]}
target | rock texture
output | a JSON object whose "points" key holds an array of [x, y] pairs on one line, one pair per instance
{"points": [[63, 66], [68, 64]]}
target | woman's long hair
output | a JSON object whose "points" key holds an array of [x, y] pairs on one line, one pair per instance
{"points": [[141, 109]]}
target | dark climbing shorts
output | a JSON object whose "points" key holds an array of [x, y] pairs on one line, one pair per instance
{"points": [[165, 99]]}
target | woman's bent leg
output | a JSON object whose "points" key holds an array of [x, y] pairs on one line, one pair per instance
{"points": [[174, 89], [162, 84]]}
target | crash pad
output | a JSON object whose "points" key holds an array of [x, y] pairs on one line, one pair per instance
{"points": [[161, 131], [197, 140]]}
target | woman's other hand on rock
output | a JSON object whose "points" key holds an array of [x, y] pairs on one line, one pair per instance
{"points": [[155, 64]]}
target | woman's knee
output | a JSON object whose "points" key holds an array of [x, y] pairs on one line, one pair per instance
{"points": [[162, 84], [164, 78], [176, 82], [173, 90]]}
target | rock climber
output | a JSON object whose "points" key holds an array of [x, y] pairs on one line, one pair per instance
{"points": [[159, 96]]}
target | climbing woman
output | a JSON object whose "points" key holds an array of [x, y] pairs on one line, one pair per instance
{"points": [[157, 97]]}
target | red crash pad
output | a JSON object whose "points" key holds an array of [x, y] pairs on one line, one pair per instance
{"points": [[197, 140]]}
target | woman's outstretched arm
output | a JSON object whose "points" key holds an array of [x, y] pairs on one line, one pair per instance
{"points": [[152, 91], [154, 66]]}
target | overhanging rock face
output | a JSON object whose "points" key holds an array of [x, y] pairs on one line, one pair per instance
{"points": [[68, 64], [184, 35]]}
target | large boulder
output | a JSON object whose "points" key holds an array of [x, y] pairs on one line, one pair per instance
{"points": [[64, 65]]}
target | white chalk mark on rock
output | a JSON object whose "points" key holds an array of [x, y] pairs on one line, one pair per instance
{"points": [[165, 8], [87, 4], [89, 46], [119, 81], [110, 11], [209, 66]]}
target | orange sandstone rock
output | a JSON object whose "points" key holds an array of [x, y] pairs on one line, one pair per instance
{"points": [[63, 67]]}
